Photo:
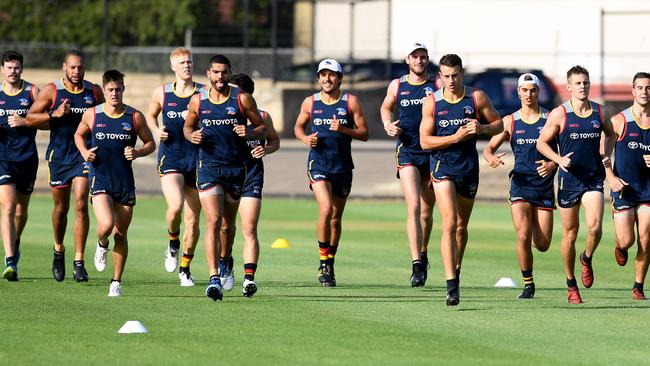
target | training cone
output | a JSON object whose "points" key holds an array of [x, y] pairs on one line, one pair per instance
{"points": [[133, 326], [506, 282], [280, 243]]}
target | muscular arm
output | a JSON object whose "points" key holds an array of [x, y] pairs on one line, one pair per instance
{"points": [[609, 140], [301, 122], [250, 111], [428, 139], [192, 121], [360, 132], [155, 107], [489, 114], [548, 135], [83, 129], [37, 116], [149, 145], [272, 137], [615, 126], [388, 107], [495, 143]]}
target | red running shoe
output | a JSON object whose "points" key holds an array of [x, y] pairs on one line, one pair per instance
{"points": [[574, 296], [587, 272], [638, 295], [620, 255]]}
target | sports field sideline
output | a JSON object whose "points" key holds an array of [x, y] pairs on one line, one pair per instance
{"points": [[372, 317]]}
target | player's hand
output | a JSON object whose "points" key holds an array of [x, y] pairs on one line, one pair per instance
{"points": [[495, 160], [616, 184], [392, 128], [545, 168], [63, 109], [465, 133], [311, 140], [15, 120], [646, 158], [164, 135], [89, 155], [336, 125], [197, 136], [130, 153], [240, 130], [607, 162], [258, 152], [565, 162]]}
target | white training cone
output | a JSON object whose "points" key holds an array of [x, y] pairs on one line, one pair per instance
{"points": [[505, 282], [133, 326]]}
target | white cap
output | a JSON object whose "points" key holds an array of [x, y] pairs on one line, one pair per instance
{"points": [[330, 64], [532, 79], [417, 46]]}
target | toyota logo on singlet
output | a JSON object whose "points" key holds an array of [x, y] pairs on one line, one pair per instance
{"points": [[633, 145], [574, 136], [443, 123], [100, 136], [318, 121], [521, 141], [404, 103], [171, 114]]}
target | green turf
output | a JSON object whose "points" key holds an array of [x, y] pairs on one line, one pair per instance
{"points": [[373, 317]]}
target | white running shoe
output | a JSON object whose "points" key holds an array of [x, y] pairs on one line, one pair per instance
{"points": [[100, 257], [115, 290], [171, 260], [186, 279], [249, 288]]}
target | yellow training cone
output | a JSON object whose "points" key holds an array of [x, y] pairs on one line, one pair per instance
{"points": [[280, 243]]}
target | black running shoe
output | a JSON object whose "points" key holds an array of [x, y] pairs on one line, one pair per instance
{"points": [[79, 272], [332, 276], [419, 275], [58, 266], [324, 276], [453, 296], [528, 292]]}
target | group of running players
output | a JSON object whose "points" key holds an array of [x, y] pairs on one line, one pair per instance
{"points": [[212, 139]]}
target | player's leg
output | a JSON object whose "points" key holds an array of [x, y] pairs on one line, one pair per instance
{"points": [[8, 201], [593, 202], [643, 254], [336, 229], [228, 231], [20, 220], [81, 226], [324, 196], [410, 180], [445, 192], [212, 201], [522, 219], [123, 215], [465, 207], [61, 197], [249, 213], [172, 188], [103, 210], [427, 201], [570, 226], [192, 219]]}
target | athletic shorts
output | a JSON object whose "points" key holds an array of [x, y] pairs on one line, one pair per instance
{"points": [[417, 159], [466, 185], [123, 198], [626, 200], [341, 182], [22, 174], [169, 166], [61, 175], [540, 198], [253, 187], [568, 199], [231, 179]]}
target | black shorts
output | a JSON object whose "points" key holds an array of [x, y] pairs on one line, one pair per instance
{"points": [[20, 173]]}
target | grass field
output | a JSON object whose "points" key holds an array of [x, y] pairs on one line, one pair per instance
{"points": [[372, 317]]}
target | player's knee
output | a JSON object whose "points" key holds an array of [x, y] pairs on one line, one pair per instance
{"points": [[104, 228], [249, 232], [542, 245], [626, 241], [595, 230], [524, 238], [81, 205], [325, 211]]}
